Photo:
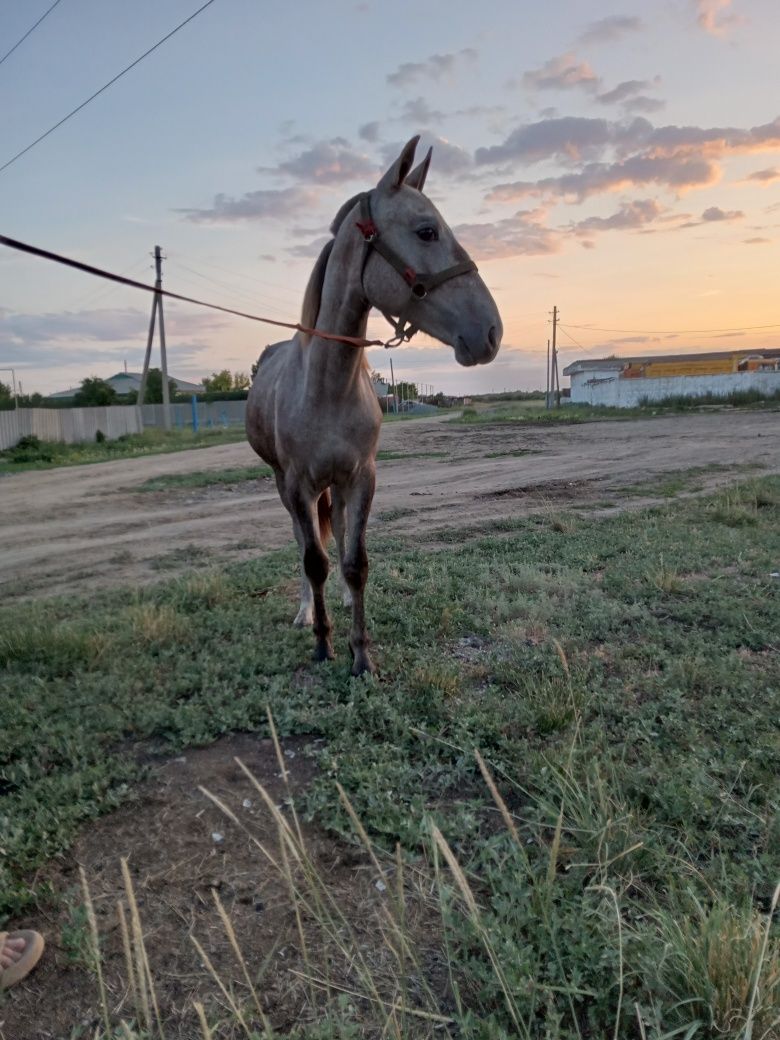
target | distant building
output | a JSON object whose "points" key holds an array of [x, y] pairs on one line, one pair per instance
{"points": [[125, 382], [629, 381]]}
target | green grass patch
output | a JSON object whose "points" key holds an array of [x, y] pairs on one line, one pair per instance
{"points": [[48, 454], [622, 679], [535, 412], [206, 478]]}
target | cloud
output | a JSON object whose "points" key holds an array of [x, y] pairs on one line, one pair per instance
{"points": [[92, 337], [563, 72], [264, 204], [627, 89], [605, 30], [419, 112], [597, 178], [711, 17], [309, 250], [437, 67], [448, 159], [767, 176], [523, 234], [714, 213], [758, 240], [567, 137], [369, 131], [630, 215], [676, 157], [327, 162]]}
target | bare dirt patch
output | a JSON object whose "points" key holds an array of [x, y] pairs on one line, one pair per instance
{"points": [[88, 527], [181, 849]]}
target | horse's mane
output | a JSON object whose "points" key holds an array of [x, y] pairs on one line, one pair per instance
{"points": [[313, 295]]}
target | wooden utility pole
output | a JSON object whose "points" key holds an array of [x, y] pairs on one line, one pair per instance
{"points": [[555, 386], [157, 311], [392, 380], [547, 381]]}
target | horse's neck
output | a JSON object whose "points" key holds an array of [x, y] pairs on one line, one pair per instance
{"points": [[334, 367]]}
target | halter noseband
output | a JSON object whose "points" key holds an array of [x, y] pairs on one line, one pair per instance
{"points": [[419, 284]]}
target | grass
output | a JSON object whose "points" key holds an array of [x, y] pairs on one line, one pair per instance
{"points": [[49, 455], [622, 684], [535, 411], [206, 478]]}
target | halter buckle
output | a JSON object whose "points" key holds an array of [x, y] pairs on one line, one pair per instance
{"points": [[367, 229]]}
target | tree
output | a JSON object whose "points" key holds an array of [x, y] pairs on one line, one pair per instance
{"points": [[221, 382], [93, 393], [6, 397], [154, 387], [406, 391]]}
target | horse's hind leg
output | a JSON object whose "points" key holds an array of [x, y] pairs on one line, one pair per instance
{"points": [[315, 567], [355, 568]]}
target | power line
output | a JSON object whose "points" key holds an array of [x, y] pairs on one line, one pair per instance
{"points": [[105, 86], [568, 336], [673, 332], [20, 42]]}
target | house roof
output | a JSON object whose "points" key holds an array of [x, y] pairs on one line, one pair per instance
{"points": [[124, 382], [617, 364]]}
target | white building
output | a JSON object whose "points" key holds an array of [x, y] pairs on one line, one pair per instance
{"points": [[631, 381]]}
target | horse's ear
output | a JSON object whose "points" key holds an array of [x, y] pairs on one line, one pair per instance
{"points": [[399, 171], [416, 178]]}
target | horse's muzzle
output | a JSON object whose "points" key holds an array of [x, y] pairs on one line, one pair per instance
{"points": [[478, 348]]}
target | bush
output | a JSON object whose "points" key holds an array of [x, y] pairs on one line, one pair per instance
{"points": [[30, 449]]}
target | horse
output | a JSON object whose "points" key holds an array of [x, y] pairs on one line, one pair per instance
{"points": [[312, 412]]}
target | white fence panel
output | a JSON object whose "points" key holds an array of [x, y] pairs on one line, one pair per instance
{"points": [[589, 388], [68, 425]]}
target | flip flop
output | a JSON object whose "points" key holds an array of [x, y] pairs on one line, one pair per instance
{"points": [[33, 948]]}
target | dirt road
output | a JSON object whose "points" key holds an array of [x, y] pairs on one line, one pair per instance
{"points": [[87, 527]]}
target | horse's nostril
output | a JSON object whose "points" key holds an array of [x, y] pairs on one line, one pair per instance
{"points": [[492, 336]]}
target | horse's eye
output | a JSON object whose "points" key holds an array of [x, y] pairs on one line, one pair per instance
{"points": [[428, 234]]}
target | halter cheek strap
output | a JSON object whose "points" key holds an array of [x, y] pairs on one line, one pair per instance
{"points": [[419, 284]]}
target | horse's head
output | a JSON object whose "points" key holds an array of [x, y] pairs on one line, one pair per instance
{"points": [[415, 268]]}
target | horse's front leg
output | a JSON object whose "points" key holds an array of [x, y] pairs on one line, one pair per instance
{"points": [[315, 566], [355, 566], [339, 521]]}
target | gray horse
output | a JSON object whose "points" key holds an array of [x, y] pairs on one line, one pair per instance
{"points": [[312, 412]]}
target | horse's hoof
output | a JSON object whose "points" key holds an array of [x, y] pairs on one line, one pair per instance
{"points": [[363, 666], [324, 652], [346, 599], [303, 619]]}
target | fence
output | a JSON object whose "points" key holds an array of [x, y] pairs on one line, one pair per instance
{"points": [[210, 414], [68, 426], [627, 393]]}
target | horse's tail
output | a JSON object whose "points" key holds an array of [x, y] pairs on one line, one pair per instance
{"points": [[323, 513]]}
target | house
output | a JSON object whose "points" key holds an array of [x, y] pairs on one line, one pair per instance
{"points": [[624, 382], [125, 382]]}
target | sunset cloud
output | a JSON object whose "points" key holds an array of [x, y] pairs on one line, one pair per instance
{"points": [[523, 234], [562, 73], [264, 204], [606, 30], [767, 176], [678, 174], [631, 215], [327, 162], [437, 67], [711, 16]]}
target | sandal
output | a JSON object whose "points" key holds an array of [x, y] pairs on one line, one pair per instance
{"points": [[33, 948]]}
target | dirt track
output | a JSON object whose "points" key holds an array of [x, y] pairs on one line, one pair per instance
{"points": [[86, 527]]}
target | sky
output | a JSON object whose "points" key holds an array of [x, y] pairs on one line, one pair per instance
{"points": [[620, 161]]}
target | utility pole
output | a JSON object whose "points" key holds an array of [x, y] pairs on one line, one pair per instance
{"points": [[547, 379], [392, 380], [556, 386], [157, 310]]}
